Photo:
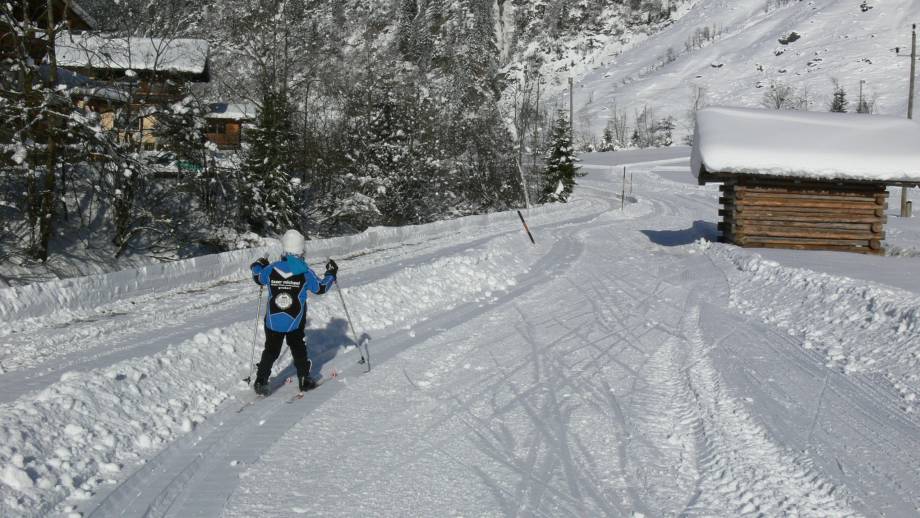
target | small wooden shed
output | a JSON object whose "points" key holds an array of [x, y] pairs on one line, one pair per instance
{"points": [[804, 180], [226, 122]]}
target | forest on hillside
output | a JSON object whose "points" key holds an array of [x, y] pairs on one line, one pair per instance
{"points": [[388, 112]]}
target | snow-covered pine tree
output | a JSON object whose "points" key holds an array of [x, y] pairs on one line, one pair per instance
{"points": [[636, 140], [561, 164], [839, 102], [607, 140], [663, 132], [272, 202]]}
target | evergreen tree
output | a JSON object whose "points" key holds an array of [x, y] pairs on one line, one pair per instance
{"points": [[663, 132], [272, 201], [607, 139], [839, 102], [561, 169]]}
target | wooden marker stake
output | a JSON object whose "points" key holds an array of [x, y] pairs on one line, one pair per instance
{"points": [[526, 228]]}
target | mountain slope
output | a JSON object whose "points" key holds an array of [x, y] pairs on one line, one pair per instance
{"points": [[838, 40]]}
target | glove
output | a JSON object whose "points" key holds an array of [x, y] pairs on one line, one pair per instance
{"points": [[332, 268], [263, 262]]}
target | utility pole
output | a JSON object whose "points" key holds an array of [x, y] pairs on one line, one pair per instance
{"points": [[861, 104], [913, 70], [623, 195], [572, 111], [910, 103]]}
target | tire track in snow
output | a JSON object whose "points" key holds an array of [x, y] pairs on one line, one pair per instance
{"points": [[690, 390], [667, 419], [741, 470], [861, 433]]}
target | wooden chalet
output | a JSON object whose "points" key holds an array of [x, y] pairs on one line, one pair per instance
{"points": [[134, 71], [225, 123], [806, 181]]}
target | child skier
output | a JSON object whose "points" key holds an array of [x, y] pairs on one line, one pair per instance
{"points": [[285, 318]]}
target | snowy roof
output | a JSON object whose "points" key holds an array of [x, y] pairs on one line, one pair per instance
{"points": [[81, 12], [232, 111], [106, 51], [823, 146], [107, 93]]}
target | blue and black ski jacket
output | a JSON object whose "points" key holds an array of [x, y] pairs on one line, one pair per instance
{"points": [[288, 281]]}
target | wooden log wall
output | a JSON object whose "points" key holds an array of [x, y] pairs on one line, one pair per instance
{"points": [[767, 213]]}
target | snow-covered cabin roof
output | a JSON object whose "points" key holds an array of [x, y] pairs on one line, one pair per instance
{"points": [[822, 146], [81, 12], [106, 93], [109, 52], [232, 111]]}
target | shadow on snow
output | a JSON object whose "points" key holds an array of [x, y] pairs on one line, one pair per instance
{"points": [[699, 229], [322, 346]]}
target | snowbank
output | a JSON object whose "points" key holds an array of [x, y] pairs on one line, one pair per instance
{"points": [[81, 432], [86, 293], [815, 145], [83, 293], [70, 440], [858, 327]]}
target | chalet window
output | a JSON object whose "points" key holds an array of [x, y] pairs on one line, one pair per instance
{"points": [[217, 127]]}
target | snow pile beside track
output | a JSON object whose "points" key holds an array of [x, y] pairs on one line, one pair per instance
{"points": [[82, 432], [69, 298], [66, 299], [65, 441], [860, 328], [439, 285]]}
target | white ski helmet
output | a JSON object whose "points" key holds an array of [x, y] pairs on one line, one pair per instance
{"points": [[292, 242]]}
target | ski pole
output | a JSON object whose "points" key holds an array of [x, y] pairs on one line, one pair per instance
{"points": [[255, 334], [364, 360]]}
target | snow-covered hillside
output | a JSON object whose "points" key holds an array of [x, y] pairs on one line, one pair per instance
{"points": [[731, 49]]}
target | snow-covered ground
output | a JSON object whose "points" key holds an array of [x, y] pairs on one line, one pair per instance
{"points": [[623, 366], [838, 40]]}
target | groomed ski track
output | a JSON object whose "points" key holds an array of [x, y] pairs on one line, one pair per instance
{"points": [[620, 367]]}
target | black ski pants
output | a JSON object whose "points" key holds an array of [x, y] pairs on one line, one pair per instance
{"points": [[273, 342]]}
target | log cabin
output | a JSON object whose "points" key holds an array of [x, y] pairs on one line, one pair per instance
{"points": [[804, 180]]}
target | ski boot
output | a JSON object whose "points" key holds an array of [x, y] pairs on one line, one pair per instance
{"points": [[262, 387], [306, 383]]}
